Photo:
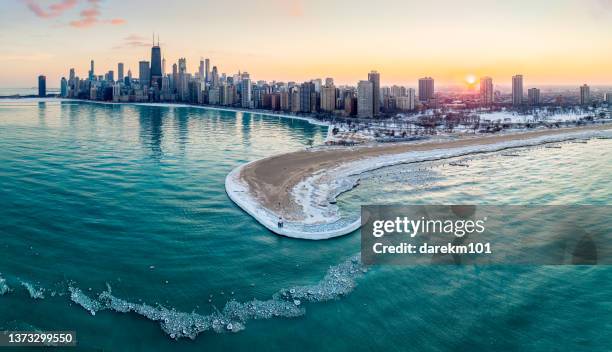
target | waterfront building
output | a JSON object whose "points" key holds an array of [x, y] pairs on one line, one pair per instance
{"points": [[517, 90], [585, 95], [120, 75], [328, 98], [275, 104], [246, 91], [144, 73], [156, 66], [486, 90], [306, 90], [64, 88], [296, 99], [207, 70], [164, 67], [533, 96], [285, 100], [365, 99], [426, 89], [91, 71], [374, 77], [42, 86], [609, 97]]}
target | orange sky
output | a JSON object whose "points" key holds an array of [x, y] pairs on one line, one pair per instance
{"points": [[548, 41]]}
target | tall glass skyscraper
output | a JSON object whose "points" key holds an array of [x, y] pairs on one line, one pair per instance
{"points": [[156, 65]]}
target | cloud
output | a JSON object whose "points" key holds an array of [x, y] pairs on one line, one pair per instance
{"points": [[53, 10], [89, 17], [134, 41]]}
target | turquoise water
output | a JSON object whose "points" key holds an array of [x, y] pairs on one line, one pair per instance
{"points": [[132, 197]]}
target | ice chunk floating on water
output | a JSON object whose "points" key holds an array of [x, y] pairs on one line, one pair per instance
{"points": [[339, 281]]}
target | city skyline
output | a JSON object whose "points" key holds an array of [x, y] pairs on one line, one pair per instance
{"points": [[301, 40]]}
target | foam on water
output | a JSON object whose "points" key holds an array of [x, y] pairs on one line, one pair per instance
{"points": [[35, 292], [4, 288], [339, 280]]}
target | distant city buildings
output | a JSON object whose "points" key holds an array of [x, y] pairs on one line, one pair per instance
{"points": [[517, 90], [486, 90], [585, 95], [365, 99], [368, 99], [374, 77], [608, 98], [533, 96], [426, 89], [42, 86]]}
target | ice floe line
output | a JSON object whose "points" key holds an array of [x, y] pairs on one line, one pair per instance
{"points": [[317, 193], [4, 288], [339, 280]]}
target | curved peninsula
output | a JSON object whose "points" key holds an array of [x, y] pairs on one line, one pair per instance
{"points": [[294, 194]]}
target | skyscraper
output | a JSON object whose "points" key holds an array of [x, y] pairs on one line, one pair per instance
{"points": [[328, 97], [533, 96], [144, 73], [365, 99], [164, 66], [201, 72], [246, 91], [374, 77], [585, 95], [306, 90], [207, 69], [64, 88], [517, 90], [486, 90], [42, 86], [120, 72], [426, 89], [609, 97], [91, 71], [156, 66]]}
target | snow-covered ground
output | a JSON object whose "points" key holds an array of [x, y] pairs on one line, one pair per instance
{"points": [[316, 194]]}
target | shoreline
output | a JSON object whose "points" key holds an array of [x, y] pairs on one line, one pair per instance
{"points": [[301, 187], [311, 120]]}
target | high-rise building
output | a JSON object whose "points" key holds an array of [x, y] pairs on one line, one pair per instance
{"points": [[585, 95], [91, 71], [64, 88], [426, 89], [42, 86], [201, 73], [398, 91], [365, 99], [207, 69], [246, 91], [214, 77], [407, 102], [609, 97], [72, 75], [486, 90], [517, 90], [533, 96], [374, 77], [306, 90], [156, 66], [164, 67], [120, 72], [110, 76], [144, 73], [329, 81], [328, 97]]}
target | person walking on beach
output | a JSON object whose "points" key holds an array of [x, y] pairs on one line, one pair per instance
{"points": [[280, 222]]}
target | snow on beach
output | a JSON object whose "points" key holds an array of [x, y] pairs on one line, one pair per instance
{"points": [[316, 194]]}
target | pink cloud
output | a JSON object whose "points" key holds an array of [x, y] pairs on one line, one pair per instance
{"points": [[54, 10], [89, 16]]}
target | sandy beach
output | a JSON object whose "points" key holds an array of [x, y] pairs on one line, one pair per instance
{"points": [[272, 181]]}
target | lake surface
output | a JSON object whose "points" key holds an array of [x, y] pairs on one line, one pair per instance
{"points": [[132, 198]]}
